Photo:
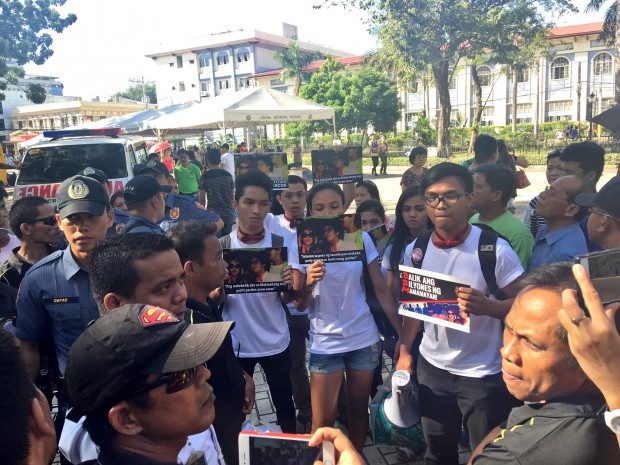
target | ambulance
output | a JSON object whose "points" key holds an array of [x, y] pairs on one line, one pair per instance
{"points": [[67, 152]]}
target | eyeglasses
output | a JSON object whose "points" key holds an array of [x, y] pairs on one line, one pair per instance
{"points": [[552, 192], [307, 234], [174, 382], [243, 167], [47, 221], [591, 210], [448, 199], [234, 265], [291, 195]]}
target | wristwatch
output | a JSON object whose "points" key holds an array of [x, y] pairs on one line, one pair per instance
{"points": [[612, 419]]}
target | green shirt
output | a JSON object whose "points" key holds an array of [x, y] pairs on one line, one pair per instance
{"points": [[187, 178], [515, 231]]}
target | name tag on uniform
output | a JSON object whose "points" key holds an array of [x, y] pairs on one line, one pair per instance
{"points": [[61, 300]]}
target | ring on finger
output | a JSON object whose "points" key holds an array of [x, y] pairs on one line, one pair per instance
{"points": [[577, 321]]}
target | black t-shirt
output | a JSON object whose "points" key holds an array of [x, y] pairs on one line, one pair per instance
{"points": [[563, 431], [227, 377], [109, 456]]}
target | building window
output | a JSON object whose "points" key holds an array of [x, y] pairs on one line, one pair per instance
{"points": [[222, 58], [559, 68], [204, 86], [243, 55], [203, 60], [2, 127], [224, 84], [276, 82], [452, 83], [191, 62], [560, 105], [1, 110], [245, 82], [20, 125], [181, 86], [179, 62], [484, 75], [602, 65], [523, 75], [171, 64]]}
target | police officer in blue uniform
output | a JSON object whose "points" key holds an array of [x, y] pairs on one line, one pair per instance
{"points": [[120, 217], [144, 197], [178, 207], [55, 297]]}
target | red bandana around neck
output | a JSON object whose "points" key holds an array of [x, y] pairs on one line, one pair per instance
{"points": [[292, 222], [443, 243], [245, 238]]}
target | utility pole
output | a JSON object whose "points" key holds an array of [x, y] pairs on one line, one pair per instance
{"points": [[140, 80]]}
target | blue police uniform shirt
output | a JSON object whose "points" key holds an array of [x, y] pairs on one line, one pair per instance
{"points": [[120, 217], [138, 224], [560, 245], [183, 208], [55, 295]]}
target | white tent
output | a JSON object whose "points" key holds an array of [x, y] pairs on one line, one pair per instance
{"points": [[251, 107]]}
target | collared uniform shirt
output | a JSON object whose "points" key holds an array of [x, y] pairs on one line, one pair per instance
{"points": [[183, 208], [55, 296], [137, 224], [120, 217], [560, 245]]}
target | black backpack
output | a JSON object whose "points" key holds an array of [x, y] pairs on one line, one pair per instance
{"points": [[487, 256]]}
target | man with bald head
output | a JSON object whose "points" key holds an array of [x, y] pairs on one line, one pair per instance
{"points": [[561, 238]]}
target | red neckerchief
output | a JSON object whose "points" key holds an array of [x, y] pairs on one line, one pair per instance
{"points": [[449, 243], [292, 222], [245, 238]]}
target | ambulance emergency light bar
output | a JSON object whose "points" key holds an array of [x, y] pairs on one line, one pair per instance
{"points": [[113, 132]]}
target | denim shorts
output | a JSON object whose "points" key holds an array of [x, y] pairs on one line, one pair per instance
{"points": [[366, 359]]}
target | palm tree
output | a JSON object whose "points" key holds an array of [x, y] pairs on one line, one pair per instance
{"points": [[609, 33], [294, 60]]}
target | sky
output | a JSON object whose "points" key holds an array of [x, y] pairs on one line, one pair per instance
{"points": [[96, 56]]}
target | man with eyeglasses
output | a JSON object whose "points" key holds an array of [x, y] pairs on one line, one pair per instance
{"points": [[459, 373], [33, 221], [216, 191], [561, 238], [139, 375], [604, 220], [293, 201]]}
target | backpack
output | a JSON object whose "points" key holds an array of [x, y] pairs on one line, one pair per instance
{"points": [[487, 250]]}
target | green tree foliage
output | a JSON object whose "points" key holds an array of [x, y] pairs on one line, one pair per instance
{"points": [[24, 36], [36, 93], [294, 61], [134, 92]]}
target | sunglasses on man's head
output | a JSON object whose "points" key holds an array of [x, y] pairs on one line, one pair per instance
{"points": [[174, 382]]}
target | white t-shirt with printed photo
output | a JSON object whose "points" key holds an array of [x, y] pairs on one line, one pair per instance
{"points": [[340, 320], [260, 321], [474, 354]]}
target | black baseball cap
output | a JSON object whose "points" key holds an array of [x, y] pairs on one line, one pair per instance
{"points": [[81, 194], [607, 199], [126, 344], [94, 173], [154, 166], [143, 187]]}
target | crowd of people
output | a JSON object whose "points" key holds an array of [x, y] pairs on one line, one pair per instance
{"points": [[116, 305]]}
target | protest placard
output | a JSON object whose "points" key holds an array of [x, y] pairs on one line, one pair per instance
{"points": [[272, 164], [341, 165], [330, 239], [255, 270], [380, 237], [431, 297]]}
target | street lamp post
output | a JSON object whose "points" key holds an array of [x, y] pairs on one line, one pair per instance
{"points": [[591, 100]]}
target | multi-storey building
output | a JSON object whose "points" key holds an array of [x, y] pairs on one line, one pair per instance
{"points": [[224, 62]]}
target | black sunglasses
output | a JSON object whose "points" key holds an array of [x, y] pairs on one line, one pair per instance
{"points": [[234, 265], [47, 221], [174, 382]]}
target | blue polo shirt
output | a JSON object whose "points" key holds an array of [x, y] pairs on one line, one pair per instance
{"points": [[183, 208], [558, 246], [55, 297], [138, 224]]}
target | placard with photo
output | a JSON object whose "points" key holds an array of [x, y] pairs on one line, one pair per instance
{"points": [[255, 270], [272, 164], [330, 239], [431, 297], [341, 165], [380, 238]]}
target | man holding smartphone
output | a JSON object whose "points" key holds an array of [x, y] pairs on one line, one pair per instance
{"points": [[604, 219]]}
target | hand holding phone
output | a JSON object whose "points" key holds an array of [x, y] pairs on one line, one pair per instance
{"points": [[345, 453], [271, 448]]}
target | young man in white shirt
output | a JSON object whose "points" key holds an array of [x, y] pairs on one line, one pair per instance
{"points": [[261, 333], [293, 201], [459, 373], [228, 160]]}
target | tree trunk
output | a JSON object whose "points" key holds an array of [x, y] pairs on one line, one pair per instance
{"points": [[296, 85], [514, 100], [426, 97], [441, 73], [475, 124], [617, 61]]}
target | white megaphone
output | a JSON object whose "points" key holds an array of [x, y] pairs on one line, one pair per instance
{"points": [[400, 406]]}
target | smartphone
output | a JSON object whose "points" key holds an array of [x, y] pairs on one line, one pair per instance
{"points": [[604, 271], [271, 448]]}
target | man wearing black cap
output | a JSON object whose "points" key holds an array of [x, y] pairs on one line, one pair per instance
{"points": [[178, 207], [120, 217], [604, 219], [55, 294], [148, 390], [145, 201]]}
